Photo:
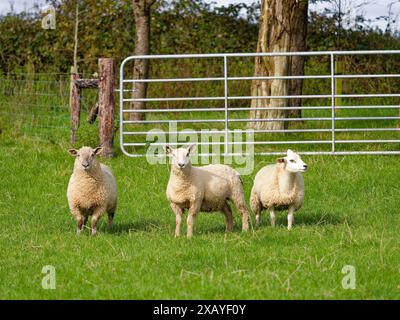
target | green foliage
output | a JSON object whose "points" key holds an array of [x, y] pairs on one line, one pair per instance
{"points": [[107, 29], [193, 26], [24, 42]]}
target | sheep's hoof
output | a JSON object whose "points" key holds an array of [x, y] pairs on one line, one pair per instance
{"points": [[94, 232]]}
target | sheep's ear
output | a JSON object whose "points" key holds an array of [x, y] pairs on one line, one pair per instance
{"points": [[290, 152], [98, 150], [73, 152], [168, 149], [280, 160], [192, 148]]}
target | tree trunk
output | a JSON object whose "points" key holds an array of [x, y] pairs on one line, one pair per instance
{"points": [[276, 31], [141, 11], [298, 43]]}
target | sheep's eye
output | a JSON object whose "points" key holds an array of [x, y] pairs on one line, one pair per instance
{"points": [[292, 161], [188, 154]]}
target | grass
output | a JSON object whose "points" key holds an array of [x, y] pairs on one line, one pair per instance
{"points": [[350, 217]]}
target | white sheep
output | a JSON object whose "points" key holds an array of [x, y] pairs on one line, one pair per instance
{"points": [[207, 188], [91, 190], [279, 187]]}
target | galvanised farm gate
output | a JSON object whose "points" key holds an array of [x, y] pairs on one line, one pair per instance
{"points": [[335, 121]]}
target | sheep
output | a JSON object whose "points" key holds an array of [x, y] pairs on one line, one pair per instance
{"points": [[279, 187], [207, 188], [91, 190]]}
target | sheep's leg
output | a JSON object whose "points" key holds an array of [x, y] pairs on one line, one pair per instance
{"points": [[80, 224], [272, 216], [178, 218], [228, 217], [110, 219], [290, 217], [245, 217], [80, 220], [241, 206], [258, 219], [95, 217], [193, 211], [255, 206], [85, 221]]}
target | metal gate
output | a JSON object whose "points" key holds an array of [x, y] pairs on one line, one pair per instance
{"points": [[333, 122]]}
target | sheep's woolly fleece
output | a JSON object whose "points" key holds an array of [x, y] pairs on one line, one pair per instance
{"points": [[271, 191], [91, 189]]}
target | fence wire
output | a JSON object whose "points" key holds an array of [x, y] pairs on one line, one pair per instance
{"points": [[37, 105]]}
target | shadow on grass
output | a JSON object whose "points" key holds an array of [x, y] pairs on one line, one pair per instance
{"points": [[215, 229], [304, 220], [151, 225], [155, 226], [316, 220], [320, 220]]}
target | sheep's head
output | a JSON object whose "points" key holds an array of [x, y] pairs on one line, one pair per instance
{"points": [[180, 156], [85, 157], [293, 162]]}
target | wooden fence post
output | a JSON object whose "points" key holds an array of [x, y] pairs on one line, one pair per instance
{"points": [[106, 104], [106, 113], [75, 104]]}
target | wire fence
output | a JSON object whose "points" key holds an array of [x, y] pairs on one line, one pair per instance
{"points": [[37, 105]]}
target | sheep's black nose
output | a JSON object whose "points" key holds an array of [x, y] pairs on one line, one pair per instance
{"points": [[305, 166], [181, 165]]}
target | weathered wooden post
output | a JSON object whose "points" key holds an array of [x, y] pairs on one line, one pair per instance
{"points": [[74, 103], [106, 105], [105, 108]]}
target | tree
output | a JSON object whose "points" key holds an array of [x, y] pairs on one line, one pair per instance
{"points": [[282, 28], [141, 11], [296, 63]]}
